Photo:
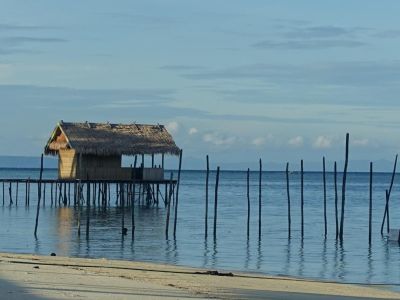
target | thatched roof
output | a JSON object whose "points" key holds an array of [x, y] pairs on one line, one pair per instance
{"points": [[105, 139]]}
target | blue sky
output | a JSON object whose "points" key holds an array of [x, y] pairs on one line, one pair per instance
{"points": [[282, 80]]}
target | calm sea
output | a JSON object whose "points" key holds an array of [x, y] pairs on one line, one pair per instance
{"points": [[312, 257]]}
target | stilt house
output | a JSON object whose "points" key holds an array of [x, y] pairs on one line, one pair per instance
{"points": [[94, 150]]}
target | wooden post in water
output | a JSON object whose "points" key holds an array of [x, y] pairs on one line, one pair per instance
{"points": [[44, 193], [166, 185], [216, 203], [123, 208], [324, 179], [26, 192], [60, 195], [248, 203], [55, 193], [79, 204], [69, 193], [109, 193], [98, 194], [344, 188], [206, 214], [10, 193], [65, 194], [387, 201], [370, 203], [133, 203], [16, 195], [79, 194], [75, 194], [168, 202], [302, 197], [288, 200], [177, 192], [3, 193], [39, 196], [87, 208], [51, 193], [259, 200], [116, 193], [336, 200], [387, 211]]}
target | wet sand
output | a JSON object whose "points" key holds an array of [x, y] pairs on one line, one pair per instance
{"points": [[45, 277]]}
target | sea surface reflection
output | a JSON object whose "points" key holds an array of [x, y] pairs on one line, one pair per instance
{"points": [[312, 257]]}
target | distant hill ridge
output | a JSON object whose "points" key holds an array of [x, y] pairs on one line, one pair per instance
{"points": [[26, 162], [192, 163]]}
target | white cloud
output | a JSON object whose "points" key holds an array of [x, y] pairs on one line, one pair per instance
{"points": [[322, 142], [192, 131], [259, 141], [360, 142], [217, 139], [172, 127], [262, 140], [297, 141]]}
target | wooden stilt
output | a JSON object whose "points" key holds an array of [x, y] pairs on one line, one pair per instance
{"points": [[123, 230], [302, 197], [69, 194], [39, 195], [288, 200], [99, 194], [259, 200], [10, 193], [65, 202], [55, 194], [29, 192], [168, 201], [158, 192], [16, 195], [206, 213], [51, 194], [133, 208], [87, 209], [177, 192], [324, 179], [75, 194], [370, 203], [336, 201], [389, 192], [79, 204], [248, 203], [387, 211], [216, 203], [44, 194], [117, 193], [344, 188], [109, 193], [26, 193]]}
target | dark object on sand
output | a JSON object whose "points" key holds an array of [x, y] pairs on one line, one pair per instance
{"points": [[53, 254], [215, 273]]}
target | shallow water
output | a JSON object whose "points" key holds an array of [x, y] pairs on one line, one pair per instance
{"points": [[312, 257]]}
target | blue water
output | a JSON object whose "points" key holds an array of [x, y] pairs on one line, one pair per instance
{"points": [[312, 257]]}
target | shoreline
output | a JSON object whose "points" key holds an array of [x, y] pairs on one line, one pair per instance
{"points": [[26, 276]]}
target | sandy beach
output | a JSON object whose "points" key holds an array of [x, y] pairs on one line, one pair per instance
{"points": [[47, 277]]}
